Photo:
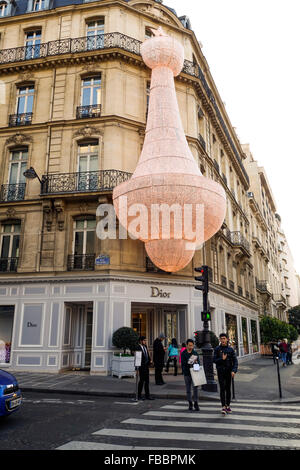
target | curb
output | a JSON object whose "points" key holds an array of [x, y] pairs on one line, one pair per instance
{"points": [[114, 394]]}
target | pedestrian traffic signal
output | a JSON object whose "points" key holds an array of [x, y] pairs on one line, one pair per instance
{"points": [[205, 316], [203, 279]]}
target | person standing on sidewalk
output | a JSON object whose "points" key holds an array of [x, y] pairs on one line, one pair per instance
{"points": [[189, 357], [159, 358], [283, 346], [227, 365], [144, 369], [172, 356]]}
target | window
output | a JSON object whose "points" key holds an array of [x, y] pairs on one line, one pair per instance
{"points": [[33, 44], [38, 5], [91, 91], [148, 33], [9, 246], [6, 330], [95, 34], [16, 179], [88, 166], [83, 256], [24, 105], [3, 9]]}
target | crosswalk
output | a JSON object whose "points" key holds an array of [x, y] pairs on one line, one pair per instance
{"points": [[252, 425]]}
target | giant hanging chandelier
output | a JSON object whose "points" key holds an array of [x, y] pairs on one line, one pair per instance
{"points": [[167, 180]]}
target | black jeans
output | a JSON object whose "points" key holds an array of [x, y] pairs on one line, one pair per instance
{"points": [[144, 380], [158, 374], [170, 359], [224, 377]]}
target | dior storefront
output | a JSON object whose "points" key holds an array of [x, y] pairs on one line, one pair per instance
{"points": [[65, 325]]}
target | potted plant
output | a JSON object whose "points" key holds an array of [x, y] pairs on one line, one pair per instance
{"points": [[123, 363]]}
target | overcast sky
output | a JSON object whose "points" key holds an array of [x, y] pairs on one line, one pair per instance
{"points": [[252, 48]]}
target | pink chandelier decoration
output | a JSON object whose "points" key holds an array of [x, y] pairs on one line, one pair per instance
{"points": [[167, 175]]}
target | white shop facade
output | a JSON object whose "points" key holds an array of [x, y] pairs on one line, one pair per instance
{"points": [[52, 326]]}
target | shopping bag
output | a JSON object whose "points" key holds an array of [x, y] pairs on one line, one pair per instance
{"points": [[198, 376]]}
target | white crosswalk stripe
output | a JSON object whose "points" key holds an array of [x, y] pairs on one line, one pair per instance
{"points": [[251, 425]]}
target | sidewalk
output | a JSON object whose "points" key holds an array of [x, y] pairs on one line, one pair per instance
{"points": [[256, 379]]}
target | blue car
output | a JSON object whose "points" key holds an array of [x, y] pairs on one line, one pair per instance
{"points": [[10, 394]]}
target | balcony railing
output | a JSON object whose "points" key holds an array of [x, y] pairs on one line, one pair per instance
{"points": [[70, 46], [91, 181], [238, 239], [91, 111], [263, 286], [24, 119], [81, 262], [12, 192], [8, 265]]}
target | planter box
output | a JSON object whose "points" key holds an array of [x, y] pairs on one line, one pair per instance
{"points": [[123, 366]]}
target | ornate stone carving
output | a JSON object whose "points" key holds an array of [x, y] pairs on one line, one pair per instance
{"points": [[87, 131], [18, 139]]}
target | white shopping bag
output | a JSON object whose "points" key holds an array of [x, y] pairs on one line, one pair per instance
{"points": [[198, 376]]}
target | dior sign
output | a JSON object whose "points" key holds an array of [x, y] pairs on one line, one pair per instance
{"points": [[155, 292]]}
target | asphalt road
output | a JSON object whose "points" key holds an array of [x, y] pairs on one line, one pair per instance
{"points": [[72, 422]]}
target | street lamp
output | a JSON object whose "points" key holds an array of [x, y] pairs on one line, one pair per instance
{"points": [[32, 174]]}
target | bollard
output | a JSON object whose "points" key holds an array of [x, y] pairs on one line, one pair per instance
{"points": [[278, 374], [136, 383], [233, 392]]}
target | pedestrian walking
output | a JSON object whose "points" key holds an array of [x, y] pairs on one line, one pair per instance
{"points": [[275, 351], [189, 357], [159, 358], [227, 365], [172, 356], [283, 346], [289, 354], [144, 370], [183, 347]]}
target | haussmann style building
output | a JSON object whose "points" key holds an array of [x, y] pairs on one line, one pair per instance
{"points": [[74, 93]]}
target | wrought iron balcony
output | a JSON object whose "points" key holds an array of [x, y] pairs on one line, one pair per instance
{"points": [[12, 192], [81, 262], [91, 111], [263, 287], [86, 182], [238, 239], [24, 119], [70, 46], [8, 265]]}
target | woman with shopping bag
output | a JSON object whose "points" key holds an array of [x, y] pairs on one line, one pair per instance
{"points": [[192, 372]]}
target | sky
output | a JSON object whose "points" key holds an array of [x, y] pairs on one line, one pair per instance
{"points": [[252, 49]]}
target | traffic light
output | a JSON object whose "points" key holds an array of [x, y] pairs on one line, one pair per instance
{"points": [[205, 316], [203, 279]]}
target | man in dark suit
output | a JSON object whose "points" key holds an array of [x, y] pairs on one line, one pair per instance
{"points": [[159, 358], [144, 369]]}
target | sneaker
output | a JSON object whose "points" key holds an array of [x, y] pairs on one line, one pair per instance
{"points": [[223, 411], [228, 409]]}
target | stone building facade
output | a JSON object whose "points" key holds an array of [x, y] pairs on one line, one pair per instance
{"points": [[74, 94]]}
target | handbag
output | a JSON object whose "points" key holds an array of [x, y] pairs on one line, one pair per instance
{"points": [[198, 376]]}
